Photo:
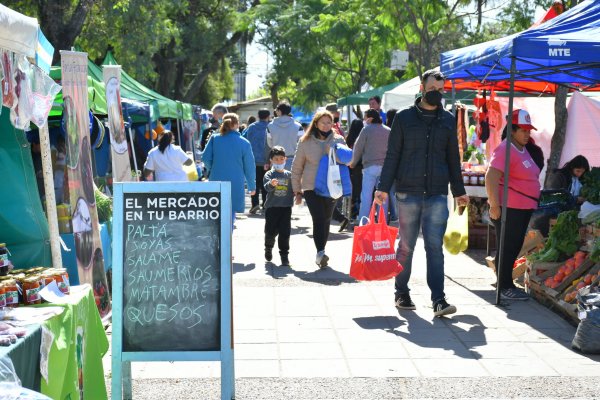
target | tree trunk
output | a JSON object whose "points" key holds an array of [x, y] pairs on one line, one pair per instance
{"points": [[165, 70], [560, 129], [61, 23], [274, 89]]}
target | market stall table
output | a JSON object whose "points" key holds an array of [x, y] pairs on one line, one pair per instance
{"points": [[71, 365], [25, 356]]}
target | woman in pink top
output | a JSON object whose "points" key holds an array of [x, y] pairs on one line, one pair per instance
{"points": [[523, 194]]}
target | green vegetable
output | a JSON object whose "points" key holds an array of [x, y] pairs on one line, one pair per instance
{"points": [[563, 239], [595, 253], [103, 205], [591, 186]]}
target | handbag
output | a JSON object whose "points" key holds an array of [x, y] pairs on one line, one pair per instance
{"points": [[456, 237], [334, 179], [373, 250], [321, 178]]}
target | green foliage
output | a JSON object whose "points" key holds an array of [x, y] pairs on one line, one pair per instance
{"points": [[591, 186], [321, 49]]}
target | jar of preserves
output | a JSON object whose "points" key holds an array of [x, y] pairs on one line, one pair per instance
{"points": [[11, 293], [2, 295], [31, 290], [3, 259], [61, 277], [481, 179], [466, 178], [473, 179], [48, 277]]}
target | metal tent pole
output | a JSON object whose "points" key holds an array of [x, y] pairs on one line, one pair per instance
{"points": [[500, 250]]}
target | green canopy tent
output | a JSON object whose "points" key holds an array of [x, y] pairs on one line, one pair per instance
{"points": [[167, 108], [363, 98], [96, 92]]}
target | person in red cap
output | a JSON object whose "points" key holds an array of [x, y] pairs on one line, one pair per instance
{"points": [[523, 193]]}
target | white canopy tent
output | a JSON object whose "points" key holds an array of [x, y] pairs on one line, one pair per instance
{"points": [[21, 34], [402, 96], [18, 33]]}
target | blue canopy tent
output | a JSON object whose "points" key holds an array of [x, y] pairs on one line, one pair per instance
{"points": [[565, 50]]}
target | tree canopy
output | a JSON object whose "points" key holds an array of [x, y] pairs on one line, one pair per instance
{"points": [[321, 49]]}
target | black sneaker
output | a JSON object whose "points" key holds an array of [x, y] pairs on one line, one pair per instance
{"points": [[268, 254], [403, 302], [513, 294], [254, 209], [285, 261], [443, 308], [344, 224]]}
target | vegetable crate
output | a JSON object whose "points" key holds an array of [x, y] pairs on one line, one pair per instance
{"points": [[536, 272], [567, 300]]}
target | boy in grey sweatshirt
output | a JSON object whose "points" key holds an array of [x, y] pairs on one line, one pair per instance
{"points": [[278, 206]]}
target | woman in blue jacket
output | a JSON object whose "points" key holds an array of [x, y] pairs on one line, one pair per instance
{"points": [[228, 157]]}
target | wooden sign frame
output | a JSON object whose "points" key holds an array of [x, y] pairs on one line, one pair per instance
{"points": [[121, 360]]}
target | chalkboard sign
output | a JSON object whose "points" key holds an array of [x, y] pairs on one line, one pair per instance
{"points": [[171, 278], [171, 271]]}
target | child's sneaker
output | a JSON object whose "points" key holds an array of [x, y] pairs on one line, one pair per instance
{"points": [[321, 259], [268, 254]]}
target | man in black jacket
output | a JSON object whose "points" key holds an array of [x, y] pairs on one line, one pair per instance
{"points": [[422, 158]]}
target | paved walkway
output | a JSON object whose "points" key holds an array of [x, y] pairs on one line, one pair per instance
{"points": [[297, 327]]}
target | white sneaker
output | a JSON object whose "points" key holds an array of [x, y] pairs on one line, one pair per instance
{"points": [[321, 259]]}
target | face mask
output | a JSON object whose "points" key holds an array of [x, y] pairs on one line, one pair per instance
{"points": [[336, 119], [433, 97], [278, 167], [326, 134], [220, 120]]}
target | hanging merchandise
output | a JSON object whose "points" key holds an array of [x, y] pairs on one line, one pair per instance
{"points": [[43, 89], [494, 117], [461, 127], [22, 112], [483, 127], [8, 82]]}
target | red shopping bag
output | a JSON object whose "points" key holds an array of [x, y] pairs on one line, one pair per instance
{"points": [[373, 253]]}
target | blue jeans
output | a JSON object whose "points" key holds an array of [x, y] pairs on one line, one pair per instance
{"points": [[429, 214], [370, 180]]}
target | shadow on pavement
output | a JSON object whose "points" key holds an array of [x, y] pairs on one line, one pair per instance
{"points": [[429, 334], [326, 276], [385, 323], [239, 267]]}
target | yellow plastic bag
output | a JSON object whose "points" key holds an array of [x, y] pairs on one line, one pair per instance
{"points": [[191, 171], [456, 238]]}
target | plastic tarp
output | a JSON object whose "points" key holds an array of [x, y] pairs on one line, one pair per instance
{"points": [[185, 111], [564, 50], [132, 89], [18, 33], [23, 225], [584, 114], [363, 98], [138, 111]]}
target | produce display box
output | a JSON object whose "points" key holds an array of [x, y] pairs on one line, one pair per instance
{"points": [[570, 308], [591, 271], [538, 292], [534, 240], [540, 270], [581, 270]]}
